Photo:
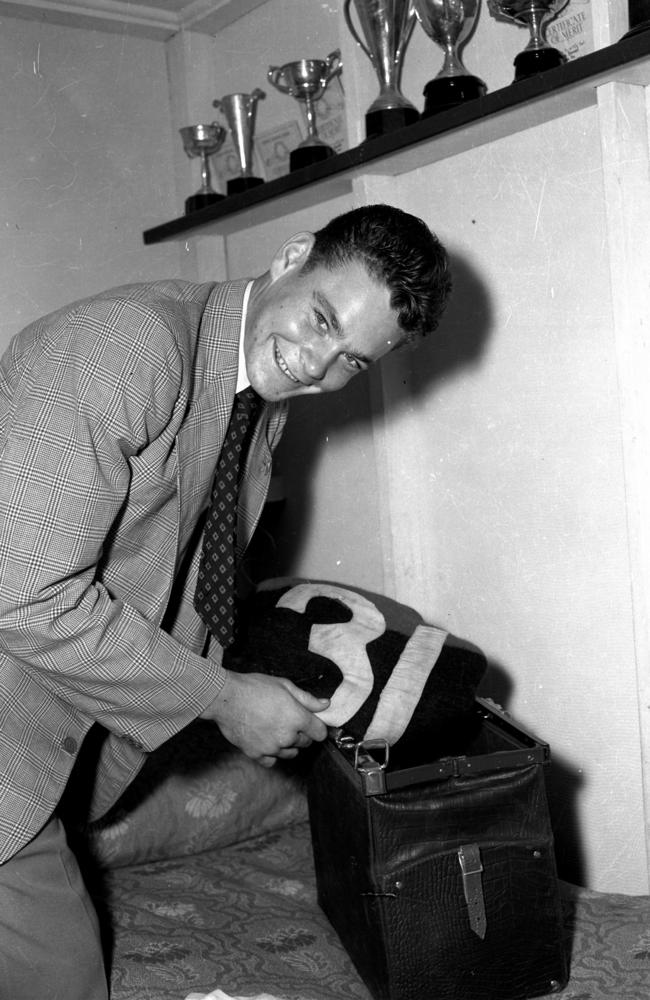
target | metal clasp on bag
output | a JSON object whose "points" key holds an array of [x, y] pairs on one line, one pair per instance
{"points": [[342, 740], [469, 858], [372, 771]]}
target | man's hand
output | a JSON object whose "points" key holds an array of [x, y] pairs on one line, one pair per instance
{"points": [[266, 717]]}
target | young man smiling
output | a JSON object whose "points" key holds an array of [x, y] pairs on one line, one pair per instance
{"points": [[313, 331], [113, 413]]}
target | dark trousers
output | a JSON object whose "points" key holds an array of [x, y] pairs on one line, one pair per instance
{"points": [[50, 944]]}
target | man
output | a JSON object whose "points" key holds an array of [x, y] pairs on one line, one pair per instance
{"points": [[113, 412]]}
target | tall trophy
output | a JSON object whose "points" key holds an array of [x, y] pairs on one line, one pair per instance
{"points": [[535, 15], [240, 111], [306, 80], [202, 141], [387, 26], [449, 23]]}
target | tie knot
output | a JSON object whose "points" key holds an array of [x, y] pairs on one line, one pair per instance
{"points": [[247, 402]]}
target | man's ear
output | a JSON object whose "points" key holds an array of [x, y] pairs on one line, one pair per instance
{"points": [[292, 254]]}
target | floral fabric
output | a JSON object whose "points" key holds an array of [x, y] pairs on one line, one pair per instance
{"points": [[245, 919], [204, 880], [195, 794]]}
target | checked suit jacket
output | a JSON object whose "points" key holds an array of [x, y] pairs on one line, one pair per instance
{"points": [[112, 416]]}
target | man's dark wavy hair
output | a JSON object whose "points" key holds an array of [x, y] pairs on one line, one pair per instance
{"points": [[397, 249]]}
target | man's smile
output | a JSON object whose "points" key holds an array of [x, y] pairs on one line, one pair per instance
{"points": [[314, 332], [282, 364]]}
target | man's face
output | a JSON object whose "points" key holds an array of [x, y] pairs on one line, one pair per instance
{"points": [[313, 332]]}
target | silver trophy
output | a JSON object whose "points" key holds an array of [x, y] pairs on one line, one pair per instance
{"points": [[240, 111], [387, 26], [535, 15], [449, 23], [306, 80], [202, 141]]}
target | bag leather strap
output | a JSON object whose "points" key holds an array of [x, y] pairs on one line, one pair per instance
{"points": [[469, 858]]}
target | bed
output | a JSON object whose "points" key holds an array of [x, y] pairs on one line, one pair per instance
{"points": [[204, 880]]}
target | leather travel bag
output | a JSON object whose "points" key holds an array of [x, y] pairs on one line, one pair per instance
{"points": [[439, 876]]}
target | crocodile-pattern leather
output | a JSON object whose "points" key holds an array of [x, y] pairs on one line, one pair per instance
{"points": [[390, 881]]}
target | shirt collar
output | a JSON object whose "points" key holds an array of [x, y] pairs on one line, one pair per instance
{"points": [[243, 380]]}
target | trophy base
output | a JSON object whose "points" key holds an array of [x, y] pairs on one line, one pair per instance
{"points": [[239, 184], [389, 120], [447, 91], [304, 156], [197, 201], [533, 61]]}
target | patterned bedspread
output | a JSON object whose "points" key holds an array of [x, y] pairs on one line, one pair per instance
{"points": [[245, 919], [206, 881]]}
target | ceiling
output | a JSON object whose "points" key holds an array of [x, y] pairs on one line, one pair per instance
{"points": [[158, 19]]}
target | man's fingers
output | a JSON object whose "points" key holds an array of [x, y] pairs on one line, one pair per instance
{"points": [[307, 700], [310, 725], [266, 761], [314, 729], [267, 717], [287, 753]]}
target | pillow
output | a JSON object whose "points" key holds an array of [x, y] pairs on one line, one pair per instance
{"points": [[195, 793], [388, 675]]}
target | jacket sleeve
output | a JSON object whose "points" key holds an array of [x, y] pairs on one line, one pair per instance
{"points": [[80, 402]]}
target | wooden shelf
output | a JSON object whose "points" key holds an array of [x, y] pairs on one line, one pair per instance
{"points": [[549, 95]]}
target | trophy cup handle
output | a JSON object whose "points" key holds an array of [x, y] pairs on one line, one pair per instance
{"points": [[334, 65], [498, 14], [353, 30], [218, 105], [274, 74], [408, 31], [255, 96]]}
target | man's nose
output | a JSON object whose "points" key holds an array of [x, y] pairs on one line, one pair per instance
{"points": [[317, 356]]}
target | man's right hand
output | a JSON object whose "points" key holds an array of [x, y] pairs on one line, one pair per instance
{"points": [[266, 717]]}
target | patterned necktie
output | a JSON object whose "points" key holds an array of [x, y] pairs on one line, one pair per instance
{"points": [[214, 598]]}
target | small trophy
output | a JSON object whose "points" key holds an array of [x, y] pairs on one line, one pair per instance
{"points": [[534, 14], [240, 110], [306, 80], [387, 26], [449, 23], [203, 141]]}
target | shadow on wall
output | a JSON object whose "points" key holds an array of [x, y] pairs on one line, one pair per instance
{"points": [[317, 421], [462, 336]]}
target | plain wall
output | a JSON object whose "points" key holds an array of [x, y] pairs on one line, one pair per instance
{"points": [[86, 164], [505, 480]]}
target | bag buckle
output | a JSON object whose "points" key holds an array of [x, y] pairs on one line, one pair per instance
{"points": [[469, 858], [370, 769]]}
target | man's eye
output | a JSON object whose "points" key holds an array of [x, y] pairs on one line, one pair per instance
{"points": [[352, 362], [321, 320]]}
